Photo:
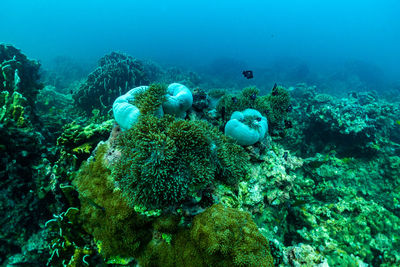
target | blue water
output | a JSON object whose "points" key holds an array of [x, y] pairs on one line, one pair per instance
{"points": [[324, 35]]}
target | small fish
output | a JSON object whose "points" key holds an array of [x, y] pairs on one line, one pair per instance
{"points": [[289, 108], [253, 97], [234, 99], [248, 74], [288, 124], [398, 122]]}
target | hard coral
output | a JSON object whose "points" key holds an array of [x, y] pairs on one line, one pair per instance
{"points": [[116, 73], [218, 237], [230, 238], [18, 73], [106, 213]]}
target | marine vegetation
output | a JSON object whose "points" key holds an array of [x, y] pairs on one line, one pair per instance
{"points": [[166, 160], [124, 231], [275, 106], [218, 237], [105, 212]]}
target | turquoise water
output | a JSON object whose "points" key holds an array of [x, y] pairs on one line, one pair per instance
{"points": [[199, 133], [322, 34]]}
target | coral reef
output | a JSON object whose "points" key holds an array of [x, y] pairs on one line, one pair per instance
{"points": [[358, 124], [218, 237], [216, 231], [274, 106], [23, 163], [175, 100], [166, 160], [321, 189], [18, 73], [123, 231], [106, 214], [116, 73]]}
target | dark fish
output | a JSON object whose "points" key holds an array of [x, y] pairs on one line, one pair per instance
{"points": [[234, 99], [253, 97], [288, 124], [248, 74], [289, 108]]}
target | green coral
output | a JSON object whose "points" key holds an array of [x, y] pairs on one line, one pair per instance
{"points": [[12, 109], [163, 241], [106, 213], [80, 140], [277, 109], [18, 73], [151, 100], [274, 106], [232, 237], [69, 245], [165, 160], [218, 237]]}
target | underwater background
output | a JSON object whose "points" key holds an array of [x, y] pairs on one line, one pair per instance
{"points": [[199, 133]]}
